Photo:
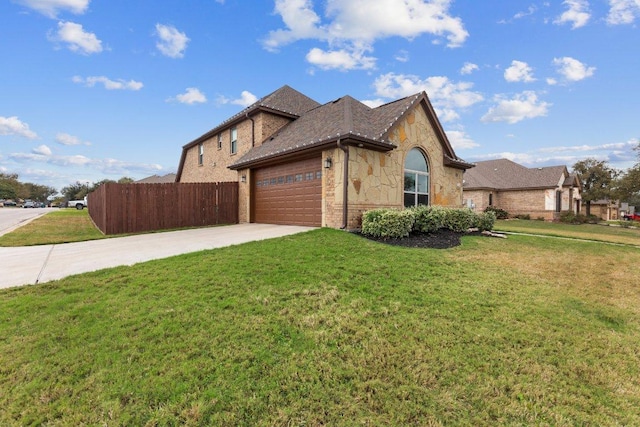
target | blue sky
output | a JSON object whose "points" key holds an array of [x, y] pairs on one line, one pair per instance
{"points": [[96, 89]]}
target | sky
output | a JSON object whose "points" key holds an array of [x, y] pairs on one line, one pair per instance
{"points": [[96, 89]]}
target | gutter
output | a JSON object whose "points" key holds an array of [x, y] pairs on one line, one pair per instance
{"points": [[345, 185]]}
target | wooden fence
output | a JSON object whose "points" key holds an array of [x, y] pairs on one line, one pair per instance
{"points": [[134, 208]]}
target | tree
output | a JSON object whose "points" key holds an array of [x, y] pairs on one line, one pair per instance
{"points": [[628, 185], [76, 191], [596, 178]]}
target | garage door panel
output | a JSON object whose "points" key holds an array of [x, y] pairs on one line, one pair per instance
{"points": [[289, 193]]}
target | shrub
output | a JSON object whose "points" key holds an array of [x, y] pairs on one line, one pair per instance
{"points": [[500, 213], [429, 219], [388, 223], [485, 221], [459, 220]]}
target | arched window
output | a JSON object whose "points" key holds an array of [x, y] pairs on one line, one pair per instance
{"points": [[416, 179]]}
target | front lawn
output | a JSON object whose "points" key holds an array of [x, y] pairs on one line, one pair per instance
{"points": [[328, 328], [60, 226], [597, 232]]}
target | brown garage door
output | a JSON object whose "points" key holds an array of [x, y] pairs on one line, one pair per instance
{"points": [[289, 194]]}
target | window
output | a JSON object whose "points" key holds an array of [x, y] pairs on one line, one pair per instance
{"points": [[219, 141], [234, 140], [200, 154], [416, 179]]}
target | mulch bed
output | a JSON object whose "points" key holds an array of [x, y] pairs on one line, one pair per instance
{"points": [[442, 239]]}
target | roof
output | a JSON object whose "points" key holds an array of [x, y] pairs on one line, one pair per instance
{"points": [[503, 174], [348, 120], [157, 179], [285, 101]]}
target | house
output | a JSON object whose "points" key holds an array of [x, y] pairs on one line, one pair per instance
{"points": [[157, 179], [301, 162], [606, 210], [537, 192]]}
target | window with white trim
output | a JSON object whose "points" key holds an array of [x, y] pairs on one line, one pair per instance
{"points": [[416, 179], [201, 154], [219, 141], [234, 140]]}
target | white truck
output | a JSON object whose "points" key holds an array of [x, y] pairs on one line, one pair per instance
{"points": [[78, 204]]}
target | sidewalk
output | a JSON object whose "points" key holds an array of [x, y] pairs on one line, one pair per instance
{"points": [[38, 264]]}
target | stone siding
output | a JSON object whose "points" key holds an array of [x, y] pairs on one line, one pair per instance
{"points": [[376, 179]]}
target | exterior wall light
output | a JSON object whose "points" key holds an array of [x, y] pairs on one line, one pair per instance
{"points": [[243, 178], [327, 163]]}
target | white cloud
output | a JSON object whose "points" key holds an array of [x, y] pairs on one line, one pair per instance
{"points": [[402, 56], [468, 68], [623, 11], [42, 150], [106, 166], [14, 126], [460, 140], [191, 96], [620, 155], [342, 59], [51, 8], [523, 106], [373, 103], [519, 72], [447, 97], [246, 99], [572, 69], [77, 39], [577, 13], [108, 84], [172, 42], [66, 139], [352, 27]]}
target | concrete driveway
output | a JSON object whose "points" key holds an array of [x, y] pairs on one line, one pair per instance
{"points": [[38, 264]]}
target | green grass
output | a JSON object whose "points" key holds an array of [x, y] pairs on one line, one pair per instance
{"points": [[602, 233], [327, 328], [61, 226]]}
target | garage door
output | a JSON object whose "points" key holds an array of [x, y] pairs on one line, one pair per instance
{"points": [[289, 194]]}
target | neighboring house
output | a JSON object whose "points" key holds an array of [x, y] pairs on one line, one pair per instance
{"points": [[300, 162], [538, 192], [157, 179], [607, 210]]}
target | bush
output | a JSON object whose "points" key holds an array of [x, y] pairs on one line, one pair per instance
{"points": [[388, 223], [428, 219], [485, 221], [500, 213], [459, 220], [392, 223]]}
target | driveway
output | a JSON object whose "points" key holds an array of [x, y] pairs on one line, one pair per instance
{"points": [[38, 264]]}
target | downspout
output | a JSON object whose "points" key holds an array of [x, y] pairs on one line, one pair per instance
{"points": [[345, 185], [253, 130]]}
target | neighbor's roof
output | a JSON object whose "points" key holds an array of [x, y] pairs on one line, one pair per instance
{"points": [[348, 120], [157, 179], [503, 174]]}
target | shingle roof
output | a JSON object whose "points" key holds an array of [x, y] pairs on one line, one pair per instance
{"points": [[157, 179], [286, 101], [503, 174], [342, 118], [345, 118]]}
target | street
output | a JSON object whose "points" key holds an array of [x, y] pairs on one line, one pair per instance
{"points": [[12, 218]]}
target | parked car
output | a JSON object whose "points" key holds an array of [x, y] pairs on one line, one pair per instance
{"points": [[78, 204], [29, 204], [632, 217]]}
